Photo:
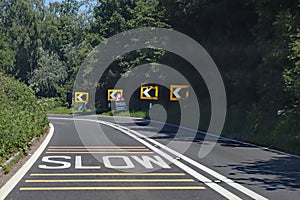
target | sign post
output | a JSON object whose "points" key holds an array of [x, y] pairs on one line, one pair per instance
{"points": [[69, 99], [83, 98]]}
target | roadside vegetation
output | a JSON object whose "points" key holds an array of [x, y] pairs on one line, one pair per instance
{"points": [[255, 44], [22, 118], [55, 106], [138, 114]]}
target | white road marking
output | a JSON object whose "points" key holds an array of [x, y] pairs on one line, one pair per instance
{"points": [[141, 138], [78, 164], [108, 163], [64, 162], [9, 186], [218, 137], [147, 161], [204, 168], [51, 159], [222, 191]]}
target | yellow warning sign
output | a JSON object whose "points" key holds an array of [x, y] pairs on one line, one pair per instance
{"points": [[113, 93], [178, 92], [81, 97], [149, 92]]}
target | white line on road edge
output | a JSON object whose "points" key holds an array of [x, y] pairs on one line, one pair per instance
{"points": [[227, 139], [211, 134], [141, 138], [9, 186], [222, 191], [202, 167]]}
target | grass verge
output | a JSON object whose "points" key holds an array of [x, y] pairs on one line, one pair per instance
{"points": [[138, 114], [60, 110]]}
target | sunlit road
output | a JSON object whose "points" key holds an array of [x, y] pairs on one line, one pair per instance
{"points": [[134, 161]]}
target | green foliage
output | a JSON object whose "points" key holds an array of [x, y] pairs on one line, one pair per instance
{"points": [[277, 38], [148, 14], [291, 75], [61, 110], [5, 169], [50, 103], [6, 56], [138, 114], [21, 24], [22, 118], [255, 44], [49, 75], [112, 17], [44, 38]]}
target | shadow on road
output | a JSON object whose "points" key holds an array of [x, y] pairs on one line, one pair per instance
{"points": [[278, 172], [273, 174]]}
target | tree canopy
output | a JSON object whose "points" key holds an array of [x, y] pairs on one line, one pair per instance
{"points": [[255, 44]]}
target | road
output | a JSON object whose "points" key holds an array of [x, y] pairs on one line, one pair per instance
{"points": [[90, 158]]}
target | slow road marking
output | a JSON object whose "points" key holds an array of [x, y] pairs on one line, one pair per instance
{"points": [[99, 152], [171, 155]]}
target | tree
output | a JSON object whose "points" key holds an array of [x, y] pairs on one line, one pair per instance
{"points": [[291, 74], [7, 56], [112, 17], [20, 21], [50, 74]]}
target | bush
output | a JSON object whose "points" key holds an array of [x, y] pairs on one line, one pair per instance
{"points": [[50, 103], [22, 118]]}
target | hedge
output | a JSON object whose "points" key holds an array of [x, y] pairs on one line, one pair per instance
{"points": [[22, 118]]}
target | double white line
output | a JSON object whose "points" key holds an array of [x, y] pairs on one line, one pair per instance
{"points": [[148, 142], [4, 191]]}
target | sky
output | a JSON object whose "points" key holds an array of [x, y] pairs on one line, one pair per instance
{"points": [[51, 1], [91, 2]]}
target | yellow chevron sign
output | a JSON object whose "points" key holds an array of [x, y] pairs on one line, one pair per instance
{"points": [[149, 92], [81, 97], [178, 92]]}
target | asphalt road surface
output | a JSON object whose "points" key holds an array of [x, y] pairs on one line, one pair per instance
{"points": [[89, 158]]}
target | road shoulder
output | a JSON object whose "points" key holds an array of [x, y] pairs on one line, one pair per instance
{"points": [[25, 163]]}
